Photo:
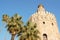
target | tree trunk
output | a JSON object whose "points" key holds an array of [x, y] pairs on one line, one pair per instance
{"points": [[13, 35]]}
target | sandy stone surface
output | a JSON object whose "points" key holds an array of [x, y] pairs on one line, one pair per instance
{"points": [[46, 23]]}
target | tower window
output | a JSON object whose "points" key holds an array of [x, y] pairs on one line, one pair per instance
{"points": [[43, 22], [52, 24], [44, 37]]}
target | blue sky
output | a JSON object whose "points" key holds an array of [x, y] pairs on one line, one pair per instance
{"points": [[25, 8]]}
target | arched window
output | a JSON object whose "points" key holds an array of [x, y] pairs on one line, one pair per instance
{"points": [[44, 37]]}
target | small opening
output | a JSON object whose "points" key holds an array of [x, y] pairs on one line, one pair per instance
{"points": [[44, 37], [43, 22], [52, 24]]}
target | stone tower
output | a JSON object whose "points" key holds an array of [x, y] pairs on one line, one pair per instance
{"points": [[46, 24]]}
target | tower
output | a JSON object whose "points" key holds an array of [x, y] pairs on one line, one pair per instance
{"points": [[46, 24]]}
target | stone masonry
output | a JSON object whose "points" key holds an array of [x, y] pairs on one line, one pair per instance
{"points": [[46, 24]]}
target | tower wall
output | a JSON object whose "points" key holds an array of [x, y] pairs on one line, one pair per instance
{"points": [[46, 24]]}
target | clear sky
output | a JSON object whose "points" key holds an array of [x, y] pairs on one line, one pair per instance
{"points": [[25, 8]]}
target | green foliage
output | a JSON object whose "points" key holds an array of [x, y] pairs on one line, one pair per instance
{"points": [[13, 23], [15, 26], [30, 32]]}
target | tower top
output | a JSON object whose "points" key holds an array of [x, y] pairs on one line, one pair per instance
{"points": [[41, 7]]}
